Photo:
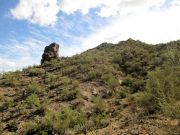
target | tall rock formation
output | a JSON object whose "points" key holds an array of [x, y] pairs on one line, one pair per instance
{"points": [[50, 52]]}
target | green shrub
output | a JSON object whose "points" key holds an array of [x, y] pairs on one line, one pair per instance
{"points": [[121, 94], [162, 92], [66, 81], [171, 109], [12, 79], [21, 108], [69, 70], [92, 75], [33, 101], [136, 60], [68, 94], [35, 88], [29, 127], [99, 105], [1, 127], [64, 120], [98, 121], [110, 80], [49, 78], [75, 84], [148, 102], [7, 103], [134, 84], [33, 71]]}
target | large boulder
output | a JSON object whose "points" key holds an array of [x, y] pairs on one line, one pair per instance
{"points": [[50, 52]]}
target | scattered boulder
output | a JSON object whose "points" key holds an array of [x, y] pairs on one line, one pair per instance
{"points": [[50, 52]]}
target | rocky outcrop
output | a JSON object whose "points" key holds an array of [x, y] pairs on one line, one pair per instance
{"points": [[50, 52]]}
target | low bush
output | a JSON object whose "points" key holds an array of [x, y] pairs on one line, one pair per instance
{"points": [[68, 94], [66, 81], [68, 70], [1, 127], [35, 88], [12, 79], [92, 75], [7, 103], [33, 71], [98, 121], [33, 101], [99, 105], [134, 84], [110, 80], [49, 78], [64, 120]]}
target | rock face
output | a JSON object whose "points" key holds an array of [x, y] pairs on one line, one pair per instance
{"points": [[50, 52]]}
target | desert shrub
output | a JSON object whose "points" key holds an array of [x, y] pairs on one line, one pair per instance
{"points": [[49, 78], [134, 84], [7, 103], [110, 80], [148, 102], [162, 92], [98, 121], [12, 126], [21, 108], [92, 75], [33, 101], [68, 94], [69, 70], [83, 68], [66, 81], [33, 71], [171, 109], [75, 84], [64, 120], [136, 60], [35, 88], [12, 79], [99, 105], [29, 128], [172, 56], [1, 127], [121, 94]]}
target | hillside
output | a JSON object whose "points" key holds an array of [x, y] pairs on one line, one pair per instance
{"points": [[128, 88]]}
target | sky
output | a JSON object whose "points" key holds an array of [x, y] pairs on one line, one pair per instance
{"points": [[27, 26]]}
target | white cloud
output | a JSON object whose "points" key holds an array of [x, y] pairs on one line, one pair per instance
{"points": [[108, 7], [42, 12], [151, 26], [21, 54], [6, 64]]}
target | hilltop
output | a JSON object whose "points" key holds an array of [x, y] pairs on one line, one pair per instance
{"points": [[114, 89]]}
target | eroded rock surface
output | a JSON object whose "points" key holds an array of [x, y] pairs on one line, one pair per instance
{"points": [[50, 52]]}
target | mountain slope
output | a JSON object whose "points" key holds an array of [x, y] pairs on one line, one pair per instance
{"points": [[109, 90]]}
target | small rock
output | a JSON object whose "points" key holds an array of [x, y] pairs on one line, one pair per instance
{"points": [[134, 132], [95, 92], [174, 123]]}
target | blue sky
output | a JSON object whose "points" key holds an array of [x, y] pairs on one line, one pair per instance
{"points": [[27, 26]]}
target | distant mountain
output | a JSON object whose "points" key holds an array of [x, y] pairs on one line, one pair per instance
{"points": [[113, 89]]}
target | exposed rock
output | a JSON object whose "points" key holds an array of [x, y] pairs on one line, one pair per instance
{"points": [[134, 132], [105, 93], [174, 123], [95, 92], [50, 52]]}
